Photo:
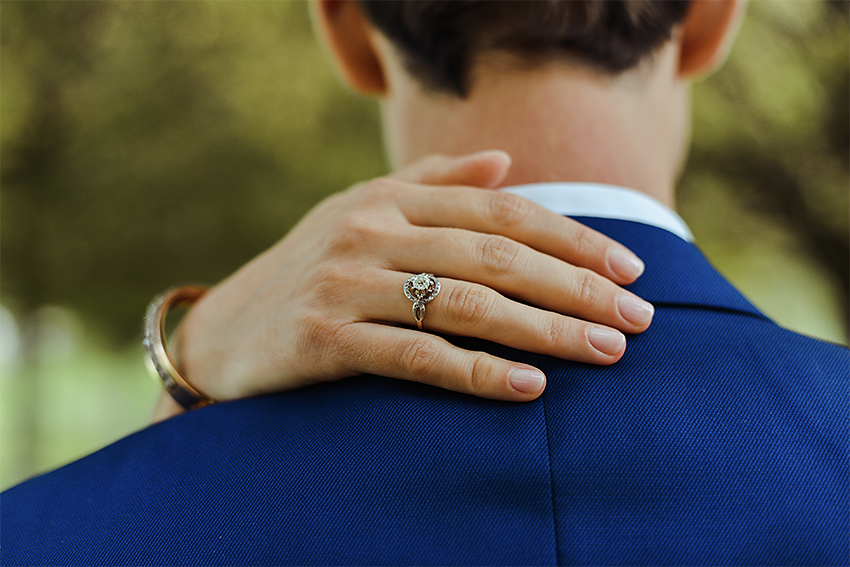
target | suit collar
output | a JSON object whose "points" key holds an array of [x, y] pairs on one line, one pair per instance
{"points": [[603, 201], [676, 271]]}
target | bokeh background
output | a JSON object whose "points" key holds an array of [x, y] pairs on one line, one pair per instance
{"points": [[145, 144]]}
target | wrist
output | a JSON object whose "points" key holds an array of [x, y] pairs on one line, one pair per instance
{"points": [[205, 354]]}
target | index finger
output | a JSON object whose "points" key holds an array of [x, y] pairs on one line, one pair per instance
{"points": [[493, 212]]}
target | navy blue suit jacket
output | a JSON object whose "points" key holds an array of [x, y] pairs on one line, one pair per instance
{"points": [[720, 438]]}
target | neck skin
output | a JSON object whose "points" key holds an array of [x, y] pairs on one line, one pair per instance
{"points": [[558, 122]]}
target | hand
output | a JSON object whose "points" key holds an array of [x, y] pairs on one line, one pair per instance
{"points": [[327, 302]]}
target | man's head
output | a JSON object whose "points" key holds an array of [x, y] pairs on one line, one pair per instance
{"points": [[440, 66], [441, 40]]}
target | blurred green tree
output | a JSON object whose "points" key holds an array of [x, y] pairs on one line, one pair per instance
{"points": [[772, 134], [146, 144]]}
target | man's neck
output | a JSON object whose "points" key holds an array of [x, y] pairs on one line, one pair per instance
{"points": [[558, 123]]}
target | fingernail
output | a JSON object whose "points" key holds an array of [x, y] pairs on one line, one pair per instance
{"points": [[606, 341], [625, 264], [506, 157], [635, 310], [527, 380]]}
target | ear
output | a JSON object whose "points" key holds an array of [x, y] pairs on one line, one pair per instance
{"points": [[707, 35], [345, 33]]}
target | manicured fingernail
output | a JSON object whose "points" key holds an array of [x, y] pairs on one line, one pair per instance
{"points": [[625, 264], [505, 156], [635, 310], [527, 380], [606, 341]]}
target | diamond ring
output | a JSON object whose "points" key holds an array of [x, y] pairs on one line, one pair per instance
{"points": [[420, 289]]}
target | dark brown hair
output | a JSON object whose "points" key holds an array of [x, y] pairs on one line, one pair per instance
{"points": [[440, 38]]}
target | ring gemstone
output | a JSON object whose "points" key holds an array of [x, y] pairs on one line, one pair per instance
{"points": [[421, 288]]}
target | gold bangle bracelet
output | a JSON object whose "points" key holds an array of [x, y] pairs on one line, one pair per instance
{"points": [[158, 360]]}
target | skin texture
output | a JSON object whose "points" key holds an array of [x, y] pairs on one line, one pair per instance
{"points": [[293, 316]]}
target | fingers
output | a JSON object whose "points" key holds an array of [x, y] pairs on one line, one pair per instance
{"points": [[520, 272], [423, 357], [492, 212], [473, 310], [484, 169]]}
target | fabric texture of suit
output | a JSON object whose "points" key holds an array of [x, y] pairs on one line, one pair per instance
{"points": [[719, 438]]}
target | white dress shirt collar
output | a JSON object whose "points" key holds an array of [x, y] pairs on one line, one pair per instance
{"points": [[603, 201]]}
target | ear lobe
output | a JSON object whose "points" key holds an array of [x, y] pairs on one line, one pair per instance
{"points": [[343, 27], [707, 34]]}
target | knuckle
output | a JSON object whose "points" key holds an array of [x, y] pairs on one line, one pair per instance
{"points": [[584, 243], [335, 200], [374, 191], [508, 210], [479, 377], [469, 304], [322, 346], [555, 332], [356, 193], [418, 356], [328, 282], [351, 231], [587, 286], [498, 254], [379, 187], [318, 317], [317, 333]]}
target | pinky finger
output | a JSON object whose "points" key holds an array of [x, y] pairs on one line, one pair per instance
{"points": [[421, 357]]}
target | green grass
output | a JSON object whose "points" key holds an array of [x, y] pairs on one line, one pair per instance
{"points": [[67, 404]]}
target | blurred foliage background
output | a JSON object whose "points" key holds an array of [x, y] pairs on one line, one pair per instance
{"points": [[144, 144]]}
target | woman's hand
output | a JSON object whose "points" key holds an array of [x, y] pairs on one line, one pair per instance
{"points": [[327, 302]]}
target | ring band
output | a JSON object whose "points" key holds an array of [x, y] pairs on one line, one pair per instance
{"points": [[420, 289], [158, 360]]}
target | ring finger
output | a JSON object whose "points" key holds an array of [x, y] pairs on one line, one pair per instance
{"points": [[469, 309], [522, 272]]}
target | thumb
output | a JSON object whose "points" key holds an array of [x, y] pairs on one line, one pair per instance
{"points": [[483, 169]]}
